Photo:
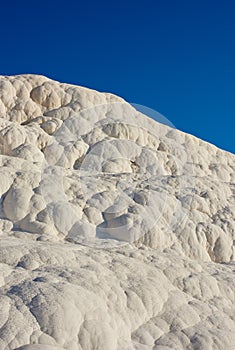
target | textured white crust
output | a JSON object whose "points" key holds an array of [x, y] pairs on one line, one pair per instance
{"points": [[116, 232]]}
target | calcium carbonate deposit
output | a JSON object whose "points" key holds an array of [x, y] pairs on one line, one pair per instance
{"points": [[116, 231]]}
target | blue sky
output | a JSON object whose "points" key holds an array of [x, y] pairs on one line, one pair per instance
{"points": [[176, 57]]}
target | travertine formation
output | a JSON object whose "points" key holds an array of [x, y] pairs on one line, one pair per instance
{"points": [[116, 232]]}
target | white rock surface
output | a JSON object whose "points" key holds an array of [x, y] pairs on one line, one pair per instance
{"points": [[116, 232]]}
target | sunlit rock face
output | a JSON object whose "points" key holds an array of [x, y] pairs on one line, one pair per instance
{"points": [[116, 231]]}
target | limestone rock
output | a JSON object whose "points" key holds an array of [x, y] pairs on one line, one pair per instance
{"points": [[116, 232]]}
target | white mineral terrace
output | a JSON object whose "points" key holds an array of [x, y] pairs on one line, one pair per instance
{"points": [[116, 232]]}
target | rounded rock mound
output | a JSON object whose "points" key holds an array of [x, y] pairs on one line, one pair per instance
{"points": [[116, 231]]}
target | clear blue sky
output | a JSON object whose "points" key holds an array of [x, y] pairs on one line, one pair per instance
{"points": [[174, 56]]}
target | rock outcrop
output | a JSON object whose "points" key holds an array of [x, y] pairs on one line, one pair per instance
{"points": [[116, 232]]}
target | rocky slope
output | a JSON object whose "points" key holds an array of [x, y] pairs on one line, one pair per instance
{"points": [[116, 232]]}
